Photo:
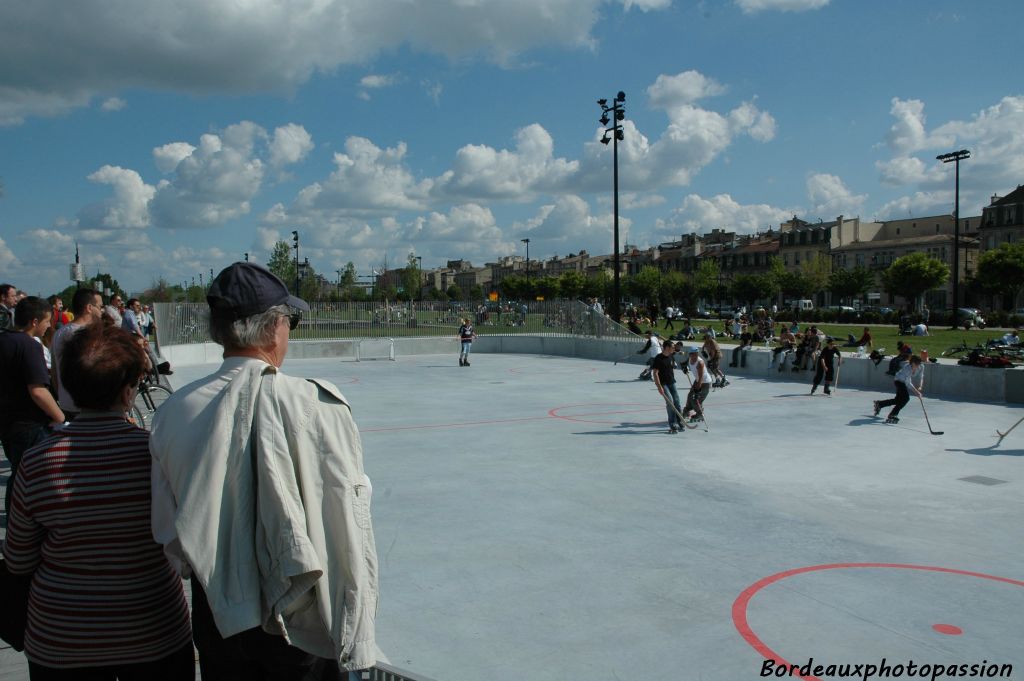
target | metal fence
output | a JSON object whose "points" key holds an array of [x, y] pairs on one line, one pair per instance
{"points": [[184, 323]]}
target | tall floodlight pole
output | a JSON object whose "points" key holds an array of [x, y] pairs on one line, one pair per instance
{"points": [[955, 157], [618, 114], [527, 242], [295, 239]]}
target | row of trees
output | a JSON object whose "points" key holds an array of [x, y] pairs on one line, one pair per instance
{"points": [[1000, 272]]}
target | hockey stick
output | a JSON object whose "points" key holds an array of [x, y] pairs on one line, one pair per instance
{"points": [[1002, 435], [623, 359], [672, 405], [839, 365], [933, 432]]}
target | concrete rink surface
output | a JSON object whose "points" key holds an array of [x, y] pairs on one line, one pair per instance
{"points": [[534, 520]]}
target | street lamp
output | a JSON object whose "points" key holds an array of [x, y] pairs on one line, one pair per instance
{"points": [[247, 257], [618, 113], [527, 242], [295, 238], [419, 277], [955, 157]]}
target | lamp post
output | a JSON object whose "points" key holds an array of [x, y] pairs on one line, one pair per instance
{"points": [[955, 157], [295, 239], [419, 277], [527, 242], [618, 113]]}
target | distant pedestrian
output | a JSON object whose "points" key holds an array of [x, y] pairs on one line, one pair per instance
{"points": [[466, 337]]}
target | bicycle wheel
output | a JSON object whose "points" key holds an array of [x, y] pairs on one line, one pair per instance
{"points": [[148, 400]]}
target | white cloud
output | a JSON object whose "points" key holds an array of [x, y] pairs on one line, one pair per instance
{"points": [[377, 81], [213, 184], [195, 46], [751, 6], [699, 214], [168, 156], [829, 197], [994, 136], [920, 203], [291, 144], [366, 179], [128, 208], [113, 104], [482, 172], [682, 89]]}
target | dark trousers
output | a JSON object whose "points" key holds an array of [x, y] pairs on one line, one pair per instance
{"points": [[252, 655], [900, 401], [18, 438], [178, 666], [824, 371], [740, 352], [695, 398]]}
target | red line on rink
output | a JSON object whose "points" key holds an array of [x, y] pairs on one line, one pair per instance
{"points": [[739, 607]]}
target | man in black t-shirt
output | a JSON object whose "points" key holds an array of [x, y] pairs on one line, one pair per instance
{"points": [[663, 370], [27, 409], [826, 366]]}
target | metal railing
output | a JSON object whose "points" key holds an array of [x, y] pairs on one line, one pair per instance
{"points": [[185, 323]]}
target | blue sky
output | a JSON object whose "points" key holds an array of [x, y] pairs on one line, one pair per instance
{"points": [[168, 139]]}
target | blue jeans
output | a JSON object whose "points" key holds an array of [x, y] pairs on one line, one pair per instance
{"points": [[466, 345], [673, 417]]}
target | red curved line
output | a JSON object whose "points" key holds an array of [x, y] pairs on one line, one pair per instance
{"points": [[739, 606]]}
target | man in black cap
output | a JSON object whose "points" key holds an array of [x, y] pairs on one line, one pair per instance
{"points": [[259, 496]]}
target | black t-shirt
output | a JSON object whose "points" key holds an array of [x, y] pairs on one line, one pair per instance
{"points": [[828, 355], [663, 364], [21, 365]]}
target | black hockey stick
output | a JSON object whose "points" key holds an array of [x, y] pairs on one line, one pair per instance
{"points": [[933, 432], [1002, 435]]}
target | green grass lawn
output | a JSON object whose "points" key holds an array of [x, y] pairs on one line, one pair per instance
{"points": [[886, 336]]}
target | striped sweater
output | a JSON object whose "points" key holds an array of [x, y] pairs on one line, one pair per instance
{"points": [[102, 592]]}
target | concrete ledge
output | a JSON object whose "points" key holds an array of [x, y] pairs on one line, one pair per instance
{"points": [[943, 379]]}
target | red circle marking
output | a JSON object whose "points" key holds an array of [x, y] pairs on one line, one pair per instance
{"points": [[606, 410], [949, 629], [555, 370], [739, 607]]}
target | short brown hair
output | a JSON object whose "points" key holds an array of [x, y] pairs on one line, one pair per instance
{"points": [[98, 362]]}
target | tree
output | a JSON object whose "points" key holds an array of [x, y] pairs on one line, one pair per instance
{"points": [[677, 289], [913, 274], [411, 277], [546, 287], [159, 292], [598, 286], [1001, 272], [282, 263], [816, 272], [646, 285], [347, 281], [848, 284], [706, 278], [571, 284], [750, 288], [454, 292], [476, 292]]}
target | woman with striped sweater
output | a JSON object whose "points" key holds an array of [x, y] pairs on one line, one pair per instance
{"points": [[104, 602]]}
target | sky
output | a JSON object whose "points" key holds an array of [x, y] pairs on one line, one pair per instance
{"points": [[168, 139]]}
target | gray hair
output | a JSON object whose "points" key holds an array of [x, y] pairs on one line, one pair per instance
{"points": [[249, 332]]}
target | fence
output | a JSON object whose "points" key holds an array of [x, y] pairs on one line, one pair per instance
{"points": [[185, 323]]}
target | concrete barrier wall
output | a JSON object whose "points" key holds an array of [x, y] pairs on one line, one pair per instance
{"points": [[943, 379]]}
